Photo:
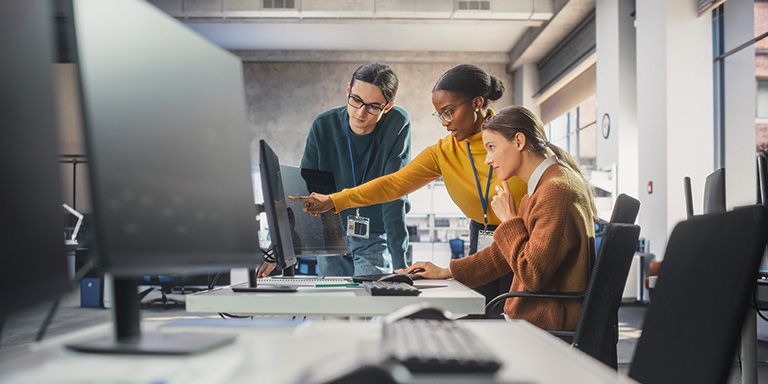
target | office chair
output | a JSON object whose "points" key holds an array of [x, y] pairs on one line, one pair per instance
{"points": [[625, 209], [618, 246], [457, 248], [597, 331], [677, 345]]}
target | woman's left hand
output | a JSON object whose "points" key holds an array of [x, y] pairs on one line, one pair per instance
{"points": [[503, 203]]}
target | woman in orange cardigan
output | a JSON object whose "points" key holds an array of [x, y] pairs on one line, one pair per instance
{"points": [[545, 243]]}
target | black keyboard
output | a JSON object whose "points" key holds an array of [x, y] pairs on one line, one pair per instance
{"points": [[437, 346], [382, 288], [363, 278]]}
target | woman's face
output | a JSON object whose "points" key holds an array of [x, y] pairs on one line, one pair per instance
{"points": [[457, 112], [505, 156]]}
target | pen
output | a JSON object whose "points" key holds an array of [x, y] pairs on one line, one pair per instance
{"points": [[337, 285]]}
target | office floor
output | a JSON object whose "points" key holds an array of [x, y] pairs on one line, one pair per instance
{"points": [[19, 331]]}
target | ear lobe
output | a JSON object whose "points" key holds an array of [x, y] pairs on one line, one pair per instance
{"points": [[389, 106], [349, 89]]}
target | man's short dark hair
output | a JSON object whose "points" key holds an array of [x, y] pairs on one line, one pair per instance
{"points": [[380, 75]]}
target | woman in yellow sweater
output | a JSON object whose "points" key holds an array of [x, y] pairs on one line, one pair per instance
{"points": [[545, 242], [461, 98]]}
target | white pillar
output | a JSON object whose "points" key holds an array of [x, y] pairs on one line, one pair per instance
{"points": [[617, 92], [740, 106], [674, 112], [526, 79]]}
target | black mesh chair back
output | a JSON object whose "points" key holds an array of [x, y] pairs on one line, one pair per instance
{"points": [[625, 209], [596, 333], [710, 265]]}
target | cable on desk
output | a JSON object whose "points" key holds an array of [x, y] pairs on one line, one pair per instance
{"points": [[754, 305], [225, 315]]}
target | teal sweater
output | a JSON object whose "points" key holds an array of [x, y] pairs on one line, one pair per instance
{"points": [[386, 150]]}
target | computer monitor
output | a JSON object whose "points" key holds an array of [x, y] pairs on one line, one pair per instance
{"points": [[321, 235], [276, 207], [33, 263], [714, 192], [169, 158], [762, 198]]}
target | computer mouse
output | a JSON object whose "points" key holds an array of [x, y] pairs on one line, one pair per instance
{"points": [[417, 270], [397, 278], [418, 311]]}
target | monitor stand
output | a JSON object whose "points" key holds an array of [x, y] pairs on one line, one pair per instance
{"points": [[254, 287], [128, 338]]}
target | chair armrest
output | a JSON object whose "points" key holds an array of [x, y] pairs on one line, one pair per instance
{"points": [[547, 295], [562, 333]]}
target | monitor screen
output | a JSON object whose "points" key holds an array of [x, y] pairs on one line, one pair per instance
{"points": [[167, 140], [276, 206], [312, 235], [32, 258]]}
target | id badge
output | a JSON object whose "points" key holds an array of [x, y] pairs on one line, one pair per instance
{"points": [[484, 239], [358, 226]]}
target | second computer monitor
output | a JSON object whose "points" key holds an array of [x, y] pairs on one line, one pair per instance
{"points": [[321, 235], [276, 207]]}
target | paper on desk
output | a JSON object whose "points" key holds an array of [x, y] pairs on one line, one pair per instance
{"points": [[210, 368]]}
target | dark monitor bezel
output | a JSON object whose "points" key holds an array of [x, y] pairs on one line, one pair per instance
{"points": [[277, 216]]}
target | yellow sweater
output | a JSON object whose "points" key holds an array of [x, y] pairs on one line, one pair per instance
{"points": [[447, 158]]}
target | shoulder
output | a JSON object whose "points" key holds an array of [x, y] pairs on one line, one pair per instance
{"points": [[397, 116], [325, 121], [331, 115], [559, 183]]}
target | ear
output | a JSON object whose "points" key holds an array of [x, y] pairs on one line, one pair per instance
{"points": [[389, 106], [519, 141], [478, 102], [349, 89]]}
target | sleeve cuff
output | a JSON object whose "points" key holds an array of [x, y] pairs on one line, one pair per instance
{"points": [[459, 267], [340, 201]]}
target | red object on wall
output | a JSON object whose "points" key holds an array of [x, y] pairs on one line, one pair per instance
{"points": [[650, 187]]}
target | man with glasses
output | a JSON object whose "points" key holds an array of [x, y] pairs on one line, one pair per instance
{"points": [[360, 141]]}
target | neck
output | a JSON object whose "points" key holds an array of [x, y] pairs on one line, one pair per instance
{"points": [[362, 131], [530, 162]]}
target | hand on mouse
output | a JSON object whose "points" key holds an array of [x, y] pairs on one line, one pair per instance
{"points": [[428, 270]]}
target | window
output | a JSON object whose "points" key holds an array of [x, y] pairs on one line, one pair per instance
{"points": [[576, 132], [760, 44]]}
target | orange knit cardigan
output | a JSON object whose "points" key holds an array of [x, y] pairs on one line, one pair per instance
{"points": [[546, 247]]}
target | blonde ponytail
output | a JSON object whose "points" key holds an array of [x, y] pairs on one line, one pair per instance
{"points": [[571, 163]]}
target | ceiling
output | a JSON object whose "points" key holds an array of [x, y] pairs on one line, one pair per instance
{"points": [[456, 36]]}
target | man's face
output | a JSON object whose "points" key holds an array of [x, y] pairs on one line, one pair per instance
{"points": [[365, 105]]}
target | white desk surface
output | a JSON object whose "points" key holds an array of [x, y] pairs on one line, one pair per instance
{"points": [[281, 355], [339, 301]]}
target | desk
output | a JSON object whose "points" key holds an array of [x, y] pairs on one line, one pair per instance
{"points": [[280, 355], [446, 294]]}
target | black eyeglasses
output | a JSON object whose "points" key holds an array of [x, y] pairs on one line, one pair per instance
{"points": [[447, 115], [373, 109]]}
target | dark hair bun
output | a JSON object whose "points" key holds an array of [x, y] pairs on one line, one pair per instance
{"points": [[497, 88]]}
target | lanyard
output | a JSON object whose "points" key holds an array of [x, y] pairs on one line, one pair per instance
{"points": [[352, 161], [483, 201]]}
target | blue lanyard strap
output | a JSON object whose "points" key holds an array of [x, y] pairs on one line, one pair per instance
{"points": [[483, 201], [352, 161]]}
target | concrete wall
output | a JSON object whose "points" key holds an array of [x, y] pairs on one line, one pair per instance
{"points": [[284, 97]]}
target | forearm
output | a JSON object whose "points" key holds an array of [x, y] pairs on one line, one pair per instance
{"points": [[384, 189], [483, 267]]}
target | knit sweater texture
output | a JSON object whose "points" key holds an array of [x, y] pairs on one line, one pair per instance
{"points": [[546, 247]]}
